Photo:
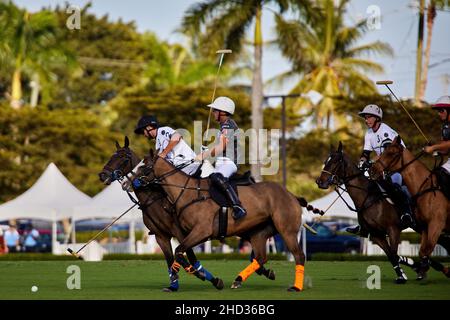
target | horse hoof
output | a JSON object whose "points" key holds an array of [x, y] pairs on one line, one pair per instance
{"points": [[294, 289], [271, 275], [421, 277], [400, 280], [236, 285], [218, 283], [169, 289]]}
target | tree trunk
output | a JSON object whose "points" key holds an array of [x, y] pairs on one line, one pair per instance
{"points": [[419, 54], [16, 94], [35, 88], [257, 86], [431, 15]]}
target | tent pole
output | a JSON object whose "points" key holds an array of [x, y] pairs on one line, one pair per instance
{"points": [[54, 234]]}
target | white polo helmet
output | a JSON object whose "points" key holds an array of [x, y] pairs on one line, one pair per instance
{"points": [[443, 102], [223, 104], [373, 110]]}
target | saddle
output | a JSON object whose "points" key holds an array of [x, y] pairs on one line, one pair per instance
{"points": [[443, 179], [217, 195], [235, 180]]}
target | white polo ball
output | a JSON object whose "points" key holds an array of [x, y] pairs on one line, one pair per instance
{"points": [[34, 289]]}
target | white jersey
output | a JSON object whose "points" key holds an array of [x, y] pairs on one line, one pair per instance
{"points": [[180, 153], [446, 165], [374, 141]]}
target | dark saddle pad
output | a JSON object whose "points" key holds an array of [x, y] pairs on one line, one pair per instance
{"points": [[235, 180]]}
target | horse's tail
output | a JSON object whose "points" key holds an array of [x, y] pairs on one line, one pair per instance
{"points": [[309, 207]]}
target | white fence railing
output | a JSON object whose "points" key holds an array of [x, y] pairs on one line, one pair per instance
{"points": [[405, 248]]}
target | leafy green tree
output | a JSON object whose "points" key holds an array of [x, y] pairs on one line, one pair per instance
{"points": [[218, 24], [111, 58], [177, 107], [323, 53], [433, 6], [30, 46], [75, 140]]}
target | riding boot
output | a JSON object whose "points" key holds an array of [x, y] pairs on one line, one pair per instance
{"points": [[402, 202], [224, 185], [358, 230]]}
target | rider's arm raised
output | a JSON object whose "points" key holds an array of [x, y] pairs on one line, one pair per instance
{"points": [[174, 140]]}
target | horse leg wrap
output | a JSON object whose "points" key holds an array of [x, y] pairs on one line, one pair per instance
{"points": [[198, 266], [249, 270], [299, 276]]}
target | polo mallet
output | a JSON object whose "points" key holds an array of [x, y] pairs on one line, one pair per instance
{"points": [[76, 254], [387, 83], [222, 54]]}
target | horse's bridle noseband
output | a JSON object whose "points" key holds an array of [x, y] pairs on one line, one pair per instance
{"points": [[117, 174]]}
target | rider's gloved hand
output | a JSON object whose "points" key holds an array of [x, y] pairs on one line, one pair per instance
{"points": [[362, 164]]}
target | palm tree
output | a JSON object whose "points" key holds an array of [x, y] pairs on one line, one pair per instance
{"points": [[29, 46], [219, 24], [173, 64], [433, 5], [324, 54]]}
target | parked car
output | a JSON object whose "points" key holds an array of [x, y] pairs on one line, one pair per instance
{"points": [[331, 237]]}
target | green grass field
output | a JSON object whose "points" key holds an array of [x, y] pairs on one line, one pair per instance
{"points": [[144, 280]]}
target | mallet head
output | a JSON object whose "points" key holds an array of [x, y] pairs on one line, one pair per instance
{"points": [[385, 82], [224, 51], [74, 254]]}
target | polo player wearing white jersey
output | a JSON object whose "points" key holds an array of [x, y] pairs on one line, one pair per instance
{"points": [[169, 143], [378, 136]]}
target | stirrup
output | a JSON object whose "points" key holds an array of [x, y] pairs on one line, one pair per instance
{"points": [[355, 230], [406, 220], [238, 212]]}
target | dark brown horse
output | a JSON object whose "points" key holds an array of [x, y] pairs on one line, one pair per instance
{"points": [[375, 213], [432, 206], [266, 203], [155, 209], [158, 216]]}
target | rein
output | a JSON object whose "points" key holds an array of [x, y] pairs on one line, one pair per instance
{"points": [[420, 193], [337, 181]]}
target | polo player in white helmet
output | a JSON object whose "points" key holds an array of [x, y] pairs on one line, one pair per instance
{"points": [[226, 152], [378, 136]]}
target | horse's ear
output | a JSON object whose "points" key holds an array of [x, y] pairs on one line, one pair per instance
{"points": [[127, 142], [340, 147], [118, 146]]}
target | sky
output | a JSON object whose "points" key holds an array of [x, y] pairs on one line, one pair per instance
{"points": [[398, 27]]}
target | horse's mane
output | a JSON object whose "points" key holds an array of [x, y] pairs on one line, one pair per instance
{"points": [[373, 188]]}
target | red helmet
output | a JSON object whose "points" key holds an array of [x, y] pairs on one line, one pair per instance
{"points": [[443, 102]]}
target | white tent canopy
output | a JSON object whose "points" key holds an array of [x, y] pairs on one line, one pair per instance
{"points": [[52, 197], [338, 210], [109, 203]]}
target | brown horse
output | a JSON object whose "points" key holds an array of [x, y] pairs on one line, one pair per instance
{"points": [[432, 212], [154, 207], [158, 217], [375, 213], [266, 203]]}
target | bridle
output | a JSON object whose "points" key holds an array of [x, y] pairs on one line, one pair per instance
{"points": [[118, 172], [398, 156], [338, 180], [160, 181]]}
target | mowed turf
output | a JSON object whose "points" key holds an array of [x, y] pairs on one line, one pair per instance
{"points": [[145, 279]]}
